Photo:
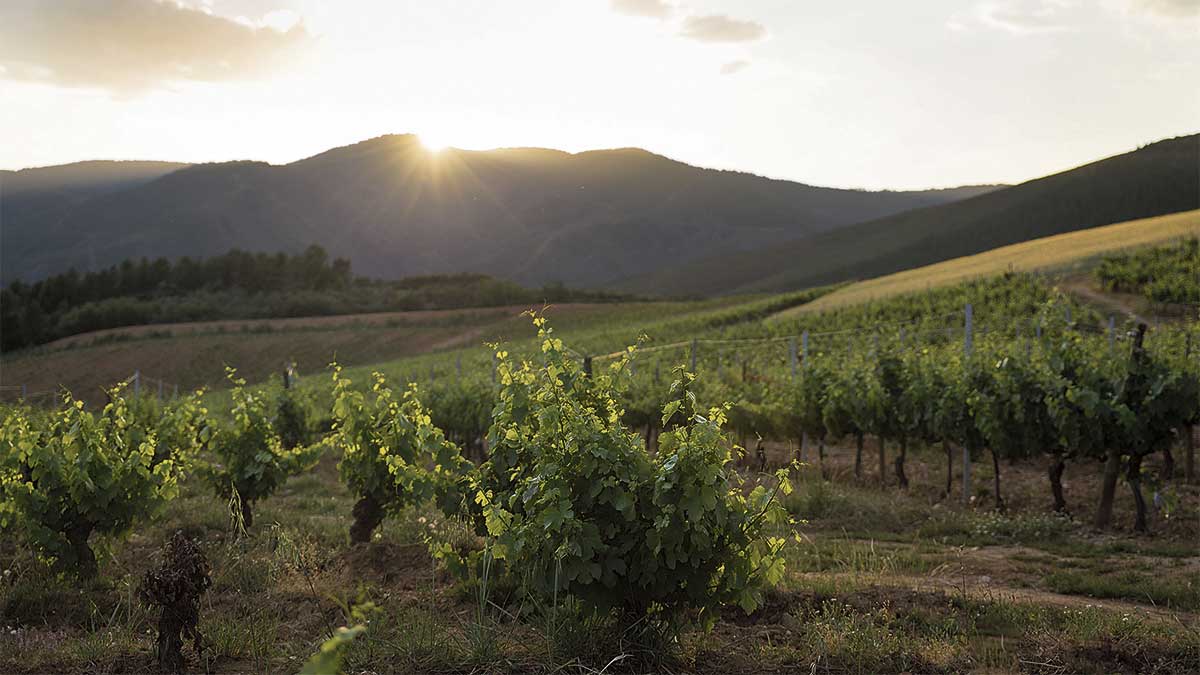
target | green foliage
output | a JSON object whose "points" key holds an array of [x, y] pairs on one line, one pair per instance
{"points": [[804, 403], [1009, 407], [293, 417], [71, 473], [1096, 400], [462, 408], [328, 659], [1081, 399], [252, 458], [853, 402], [392, 454], [578, 506], [1159, 398], [1166, 274]]}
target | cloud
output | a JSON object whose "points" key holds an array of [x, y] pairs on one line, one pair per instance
{"points": [[1170, 8], [734, 67], [721, 28], [1027, 17], [132, 46], [654, 9]]}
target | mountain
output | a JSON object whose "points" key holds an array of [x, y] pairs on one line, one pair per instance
{"points": [[396, 209], [1156, 179], [27, 192], [31, 199]]}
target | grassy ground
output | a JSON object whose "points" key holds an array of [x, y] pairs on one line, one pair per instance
{"points": [[883, 581], [1057, 253], [193, 355]]}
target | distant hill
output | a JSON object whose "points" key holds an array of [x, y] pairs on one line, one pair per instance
{"points": [[395, 209], [27, 192], [1060, 254], [34, 199], [1157, 179]]}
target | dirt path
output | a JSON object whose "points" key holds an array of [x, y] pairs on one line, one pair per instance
{"points": [[1119, 303], [376, 319], [1001, 571], [947, 579], [998, 562]]}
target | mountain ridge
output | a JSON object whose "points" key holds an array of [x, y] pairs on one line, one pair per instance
{"points": [[1156, 179], [531, 215]]}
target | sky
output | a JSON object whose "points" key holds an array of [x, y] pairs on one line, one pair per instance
{"points": [[873, 94]]}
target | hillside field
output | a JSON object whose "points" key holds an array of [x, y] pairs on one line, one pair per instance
{"points": [[1060, 254]]}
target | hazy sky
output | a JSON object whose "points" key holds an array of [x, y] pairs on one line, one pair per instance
{"points": [[876, 94]]}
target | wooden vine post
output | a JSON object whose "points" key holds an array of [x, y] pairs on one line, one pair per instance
{"points": [[968, 347], [804, 363]]}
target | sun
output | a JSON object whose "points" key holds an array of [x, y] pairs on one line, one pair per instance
{"points": [[432, 142]]}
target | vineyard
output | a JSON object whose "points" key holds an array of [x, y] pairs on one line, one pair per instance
{"points": [[1164, 274], [739, 488]]}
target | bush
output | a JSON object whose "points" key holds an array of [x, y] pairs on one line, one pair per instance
{"points": [[578, 506], [293, 418], [253, 460], [392, 454], [75, 474]]}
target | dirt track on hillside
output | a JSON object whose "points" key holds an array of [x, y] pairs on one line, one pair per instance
{"points": [[376, 319]]}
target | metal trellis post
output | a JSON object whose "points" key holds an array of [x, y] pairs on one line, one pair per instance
{"points": [[792, 354]]}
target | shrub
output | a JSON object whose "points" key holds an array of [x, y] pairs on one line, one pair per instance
{"points": [[578, 506], [293, 418], [253, 460], [392, 454], [75, 473]]}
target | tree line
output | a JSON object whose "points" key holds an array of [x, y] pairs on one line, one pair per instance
{"points": [[241, 285], [34, 313]]}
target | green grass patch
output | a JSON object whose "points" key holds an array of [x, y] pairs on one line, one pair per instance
{"points": [[1128, 585]]}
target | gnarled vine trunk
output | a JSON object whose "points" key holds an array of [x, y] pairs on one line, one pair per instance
{"points": [[858, 438], [1168, 467], [1112, 470], [901, 479], [1055, 471], [882, 462], [949, 467], [1189, 462], [996, 477], [247, 514], [170, 641], [821, 457], [177, 586], [1133, 476], [368, 514], [85, 560]]}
